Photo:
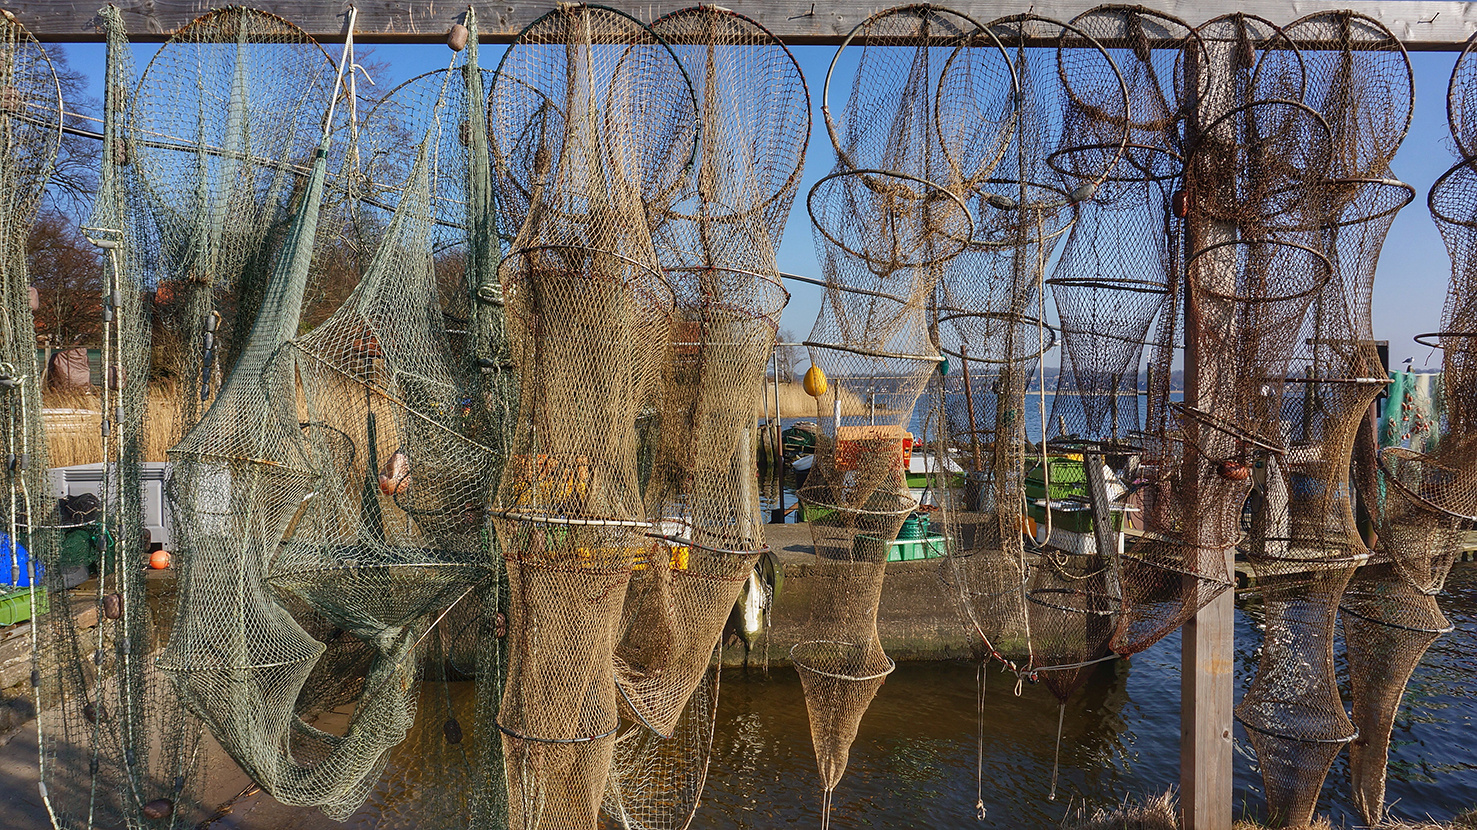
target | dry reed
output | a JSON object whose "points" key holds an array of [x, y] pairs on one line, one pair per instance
{"points": [[73, 425], [794, 403], [1162, 813]]}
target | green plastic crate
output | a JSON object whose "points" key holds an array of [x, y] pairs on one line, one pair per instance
{"points": [[15, 606], [908, 550], [1068, 481]]}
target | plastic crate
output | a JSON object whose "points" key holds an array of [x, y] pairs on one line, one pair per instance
{"points": [[851, 442], [908, 550], [15, 606]]}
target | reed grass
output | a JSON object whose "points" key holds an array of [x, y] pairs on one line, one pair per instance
{"points": [[1162, 813], [795, 403], [1155, 813], [73, 426]]}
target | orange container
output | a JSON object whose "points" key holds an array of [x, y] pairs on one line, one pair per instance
{"points": [[853, 442]]}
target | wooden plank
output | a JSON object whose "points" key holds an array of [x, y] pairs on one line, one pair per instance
{"points": [[1206, 682], [1421, 24]]}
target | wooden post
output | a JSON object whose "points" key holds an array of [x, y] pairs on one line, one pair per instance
{"points": [[1207, 657], [1207, 647]]}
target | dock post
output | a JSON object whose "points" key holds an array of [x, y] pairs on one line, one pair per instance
{"points": [[1207, 660], [1208, 642]]}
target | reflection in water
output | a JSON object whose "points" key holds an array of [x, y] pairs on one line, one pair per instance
{"points": [[914, 761], [913, 764]]}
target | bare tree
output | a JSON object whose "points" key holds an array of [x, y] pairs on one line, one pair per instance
{"points": [[67, 273], [74, 180], [788, 356]]}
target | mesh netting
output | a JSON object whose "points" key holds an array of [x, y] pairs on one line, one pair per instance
{"points": [[1388, 625], [1046, 614], [887, 220], [133, 749], [1292, 712], [1117, 264], [226, 118], [716, 241], [1245, 296], [1461, 104], [1357, 80], [280, 533], [593, 121], [656, 782], [30, 122]]}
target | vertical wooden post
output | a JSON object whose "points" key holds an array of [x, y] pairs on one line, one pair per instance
{"points": [[1207, 658], [1207, 647]]}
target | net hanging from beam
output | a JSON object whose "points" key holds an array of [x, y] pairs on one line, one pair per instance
{"points": [[593, 124], [1047, 615], [886, 220], [1245, 295], [1349, 67], [226, 119], [1117, 263], [716, 242], [30, 135], [258, 507], [134, 750]]}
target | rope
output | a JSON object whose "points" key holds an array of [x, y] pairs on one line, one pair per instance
{"points": [[979, 767], [1061, 715]]}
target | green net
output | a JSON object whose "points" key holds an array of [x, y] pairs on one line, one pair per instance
{"points": [[30, 133], [130, 751], [226, 119]]}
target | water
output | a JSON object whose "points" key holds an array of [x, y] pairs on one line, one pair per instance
{"points": [[914, 762]]}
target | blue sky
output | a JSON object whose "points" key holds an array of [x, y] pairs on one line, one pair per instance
{"points": [[1410, 285]]}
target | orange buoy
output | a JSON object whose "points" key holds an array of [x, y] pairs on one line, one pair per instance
{"points": [[159, 559], [1234, 470], [815, 382], [1180, 204]]}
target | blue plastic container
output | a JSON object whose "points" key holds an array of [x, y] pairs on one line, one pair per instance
{"points": [[17, 577]]}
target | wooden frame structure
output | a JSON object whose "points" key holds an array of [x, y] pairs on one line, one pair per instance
{"points": [[1439, 25], [1207, 647]]}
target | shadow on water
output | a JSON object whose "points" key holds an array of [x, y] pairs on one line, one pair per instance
{"points": [[915, 760]]}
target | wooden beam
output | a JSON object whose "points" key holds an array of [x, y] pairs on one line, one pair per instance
{"points": [[1420, 24], [1208, 656]]}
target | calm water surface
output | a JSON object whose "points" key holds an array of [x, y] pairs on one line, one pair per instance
{"points": [[915, 760]]}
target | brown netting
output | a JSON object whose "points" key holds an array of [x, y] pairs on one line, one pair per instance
{"points": [[716, 241], [1292, 712], [1357, 79], [887, 220], [592, 120], [1388, 625], [1461, 104], [1245, 295], [1047, 613], [657, 782], [1117, 264]]}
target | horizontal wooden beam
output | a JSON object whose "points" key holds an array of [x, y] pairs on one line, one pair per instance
{"points": [[1420, 24]]}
